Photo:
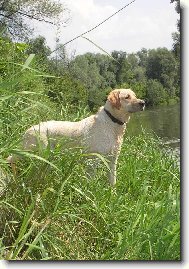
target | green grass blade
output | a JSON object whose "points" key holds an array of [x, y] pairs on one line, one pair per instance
{"points": [[33, 245], [28, 61], [23, 234], [34, 156], [13, 207]]}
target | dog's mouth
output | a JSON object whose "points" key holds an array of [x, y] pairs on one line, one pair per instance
{"points": [[138, 106], [141, 108]]}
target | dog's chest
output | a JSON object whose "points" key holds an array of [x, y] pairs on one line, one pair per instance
{"points": [[105, 140]]}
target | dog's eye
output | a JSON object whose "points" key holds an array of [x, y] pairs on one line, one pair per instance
{"points": [[127, 97]]}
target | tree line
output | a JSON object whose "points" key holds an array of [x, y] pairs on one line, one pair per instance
{"points": [[153, 74]]}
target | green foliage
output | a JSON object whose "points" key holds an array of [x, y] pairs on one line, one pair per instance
{"points": [[162, 66], [86, 79], [142, 56], [20, 100], [176, 44], [99, 73], [62, 89], [67, 90], [9, 53], [156, 94], [122, 69], [86, 70], [14, 12], [39, 48]]}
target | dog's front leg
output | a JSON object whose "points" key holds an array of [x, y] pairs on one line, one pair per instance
{"points": [[112, 172]]}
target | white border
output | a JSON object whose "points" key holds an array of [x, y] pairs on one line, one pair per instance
{"points": [[185, 182], [185, 132]]}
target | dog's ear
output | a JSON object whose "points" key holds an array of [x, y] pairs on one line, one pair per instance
{"points": [[114, 99]]}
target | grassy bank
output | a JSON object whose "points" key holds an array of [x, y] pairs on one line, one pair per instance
{"points": [[54, 211]]}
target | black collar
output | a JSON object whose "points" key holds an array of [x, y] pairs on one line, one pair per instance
{"points": [[112, 118]]}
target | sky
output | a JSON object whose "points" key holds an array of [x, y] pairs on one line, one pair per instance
{"points": [[143, 24]]}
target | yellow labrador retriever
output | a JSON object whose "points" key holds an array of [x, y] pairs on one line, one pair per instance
{"points": [[100, 133]]}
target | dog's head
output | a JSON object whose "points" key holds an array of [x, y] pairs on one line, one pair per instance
{"points": [[126, 100]]}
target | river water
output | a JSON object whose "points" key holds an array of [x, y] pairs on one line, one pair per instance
{"points": [[164, 121]]}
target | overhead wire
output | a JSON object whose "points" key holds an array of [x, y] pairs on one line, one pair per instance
{"points": [[96, 26]]}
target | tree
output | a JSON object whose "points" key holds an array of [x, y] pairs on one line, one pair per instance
{"points": [[108, 76], [13, 15], [121, 67], [143, 57], [66, 90], [176, 35], [162, 66], [132, 60], [177, 8], [139, 71], [176, 45], [38, 46], [156, 94]]}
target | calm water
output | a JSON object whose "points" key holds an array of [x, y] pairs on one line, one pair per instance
{"points": [[163, 121]]}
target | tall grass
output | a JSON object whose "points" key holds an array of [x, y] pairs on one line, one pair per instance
{"points": [[52, 210]]}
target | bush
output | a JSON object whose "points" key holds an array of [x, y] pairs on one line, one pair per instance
{"points": [[66, 90], [173, 101]]}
